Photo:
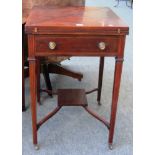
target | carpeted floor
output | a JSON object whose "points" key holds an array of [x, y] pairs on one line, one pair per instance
{"points": [[72, 131]]}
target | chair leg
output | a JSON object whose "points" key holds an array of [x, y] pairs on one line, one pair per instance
{"points": [[117, 3], [100, 78], [47, 78], [131, 3], [23, 86], [57, 69]]}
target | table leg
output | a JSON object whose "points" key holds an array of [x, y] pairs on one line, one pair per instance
{"points": [[33, 91], [38, 81], [116, 86], [101, 68]]}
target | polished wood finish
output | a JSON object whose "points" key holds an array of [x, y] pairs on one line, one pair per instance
{"points": [[56, 68], [25, 69], [77, 31], [33, 86], [27, 6], [76, 45], [72, 97], [116, 86], [75, 20]]}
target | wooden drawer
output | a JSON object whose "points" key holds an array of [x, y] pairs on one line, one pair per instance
{"points": [[77, 46]]}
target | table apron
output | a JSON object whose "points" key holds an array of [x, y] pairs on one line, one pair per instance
{"points": [[76, 45]]}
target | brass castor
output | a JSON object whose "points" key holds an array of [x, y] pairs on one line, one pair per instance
{"points": [[36, 147], [110, 146]]}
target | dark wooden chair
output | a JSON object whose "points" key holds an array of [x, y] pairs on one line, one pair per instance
{"points": [[130, 1], [49, 64]]}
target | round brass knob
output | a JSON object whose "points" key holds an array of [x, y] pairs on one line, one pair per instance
{"points": [[101, 45], [52, 45]]}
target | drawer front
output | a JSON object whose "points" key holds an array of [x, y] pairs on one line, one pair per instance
{"points": [[88, 46]]}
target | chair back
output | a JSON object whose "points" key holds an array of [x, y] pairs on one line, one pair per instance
{"points": [[58, 2], [28, 4]]}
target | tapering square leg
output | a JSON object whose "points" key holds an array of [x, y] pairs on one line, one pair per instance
{"points": [[116, 86], [33, 91], [33, 87]]}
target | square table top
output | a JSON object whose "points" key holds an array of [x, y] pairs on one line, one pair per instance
{"points": [[75, 20]]}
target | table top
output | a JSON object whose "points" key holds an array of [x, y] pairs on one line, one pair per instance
{"points": [[74, 20]]}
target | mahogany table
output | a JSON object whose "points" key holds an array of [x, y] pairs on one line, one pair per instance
{"points": [[75, 31]]}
